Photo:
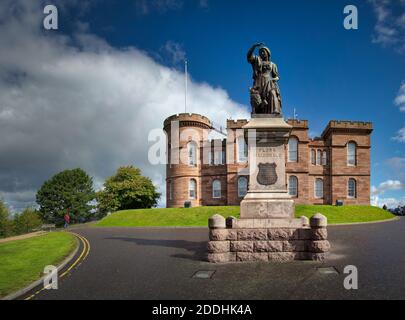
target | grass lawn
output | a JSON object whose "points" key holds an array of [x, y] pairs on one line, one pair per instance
{"points": [[23, 261], [177, 217], [198, 217], [345, 214]]}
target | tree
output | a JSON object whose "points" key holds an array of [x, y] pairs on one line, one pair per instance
{"points": [[27, 221], [6, 224], [127, 189], [71, 189], [385, 207]]}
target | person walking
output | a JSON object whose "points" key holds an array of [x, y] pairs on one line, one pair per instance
{"points": [[67, 218]]}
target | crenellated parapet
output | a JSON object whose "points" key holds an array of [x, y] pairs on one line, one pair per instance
{"points": [[188, 120], [302, 124], [336, 125], [236, 124]]}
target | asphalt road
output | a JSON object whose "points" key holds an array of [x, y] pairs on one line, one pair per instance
{"points": [[129, 263]]}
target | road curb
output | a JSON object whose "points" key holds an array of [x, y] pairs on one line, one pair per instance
{"points": [[23, 291]]}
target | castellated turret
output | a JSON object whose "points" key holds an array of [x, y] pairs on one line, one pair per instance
{"points": [[186, 134]]}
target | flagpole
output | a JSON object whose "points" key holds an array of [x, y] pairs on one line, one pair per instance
{"points": [[185, 85]]}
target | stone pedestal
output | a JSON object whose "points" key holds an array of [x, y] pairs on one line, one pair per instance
{"points": [[267, 230], [267, 197], [269, 240]]}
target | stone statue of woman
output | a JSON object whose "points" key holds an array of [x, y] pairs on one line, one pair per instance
{"points": [[265, 95]]}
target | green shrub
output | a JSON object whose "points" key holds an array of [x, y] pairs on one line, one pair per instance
{"points": [[6, 224], [27, 221], [125, 190]]}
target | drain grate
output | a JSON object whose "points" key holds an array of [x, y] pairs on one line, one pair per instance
{"points": [[203, 275], [328, 270]]}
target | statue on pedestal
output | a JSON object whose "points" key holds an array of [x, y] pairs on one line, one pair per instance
{"points": [[265, 94]]}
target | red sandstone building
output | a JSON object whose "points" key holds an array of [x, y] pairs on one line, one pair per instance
{"points": [[333, 167]]}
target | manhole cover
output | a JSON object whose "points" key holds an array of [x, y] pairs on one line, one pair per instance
{"points": [[328, 270], [203, 274]]}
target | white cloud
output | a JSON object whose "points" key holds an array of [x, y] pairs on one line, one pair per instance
{"points": [[148, 6], [400, 137], [388, 185], [174, 52], [389, 29], [400, 99], [89, 105], [389, 202]]}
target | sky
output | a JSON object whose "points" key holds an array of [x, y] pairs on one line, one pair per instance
{"points": [[88, 94]]}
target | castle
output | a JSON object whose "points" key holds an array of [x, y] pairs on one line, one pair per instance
{"points": [[332, 168]]}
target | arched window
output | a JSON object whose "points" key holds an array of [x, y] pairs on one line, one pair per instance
{"points": [[324, 158], [293, 150], [313, 157], [192, 189], [216, 189], [319, 158], [293, 186], [192, 153], [242, 149], [242, 186], [351, 154], [351, 189], [319, 188]]}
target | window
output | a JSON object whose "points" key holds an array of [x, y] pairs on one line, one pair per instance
{"points": [[223, 156], [293, 186], [351, 154], [242, 186], [192, 189], [351, 188], [319, 158], [319, 188], [242, 149], [210, 158], [218, 158], [293, 150], [171, 190], [324, 158], [192, 154], [216, 189], [313, 157]]}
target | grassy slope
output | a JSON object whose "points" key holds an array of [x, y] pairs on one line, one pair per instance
{"points": [[198, 217], [345, 214], [193, 217], [23, 261]]}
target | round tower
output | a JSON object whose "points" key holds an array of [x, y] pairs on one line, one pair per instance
{"points": [[185, 135]]}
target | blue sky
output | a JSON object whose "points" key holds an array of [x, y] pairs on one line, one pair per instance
{"points": [[327, 72]]}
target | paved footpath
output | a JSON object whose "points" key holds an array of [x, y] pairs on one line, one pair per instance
{"points": [[129, 263]]}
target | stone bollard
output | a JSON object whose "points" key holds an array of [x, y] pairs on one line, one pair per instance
{"points": [[319, 244], [305, 221], [230, 222], [318, 221], [220, 239], [217, 222]]}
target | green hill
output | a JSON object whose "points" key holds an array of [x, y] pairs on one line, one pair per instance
{"points": [[198, 217]]}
